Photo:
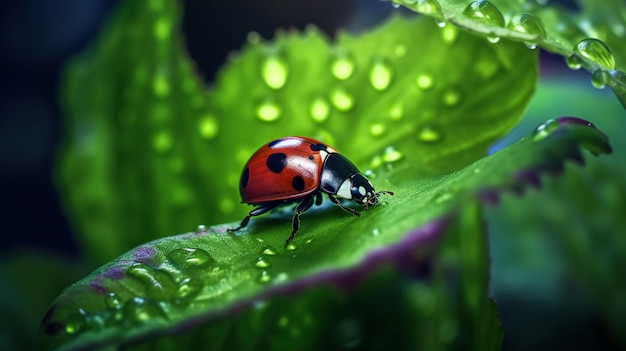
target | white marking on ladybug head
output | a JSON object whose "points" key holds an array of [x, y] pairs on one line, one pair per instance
{"points": [[323, 154], [344, 189], [362, 191]]}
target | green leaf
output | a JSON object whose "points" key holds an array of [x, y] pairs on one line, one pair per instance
{"points": [[200, 279], [591, 38], [148, 152]]}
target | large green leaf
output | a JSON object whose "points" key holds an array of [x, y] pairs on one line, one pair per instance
{"points": [[591, 38], [200, 280], [148, 152]]}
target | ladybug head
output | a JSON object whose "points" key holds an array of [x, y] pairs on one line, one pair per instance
{"points": [[362, 190]]}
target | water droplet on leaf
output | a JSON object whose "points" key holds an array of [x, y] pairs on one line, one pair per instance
{"points": [[342, 67], [141, 310], [396, 111], [342, 100], [600, 78], [189, 257], [268, 111], [158, 284], [381, 75], [319, 109], [424, 81], [484, 12], [112, 301], [264, 277], [268, 250], [529, 24], [545, 129], [596, 51], [262, 262], [207, 126], [428, 133], [274, 71], [162, 141], [377, 129], [391, 155]]}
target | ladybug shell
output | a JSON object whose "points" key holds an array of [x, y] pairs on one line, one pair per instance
{"points": [[285, 169]]}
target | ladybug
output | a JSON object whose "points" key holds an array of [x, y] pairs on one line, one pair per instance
{"points": [[299, 170]]}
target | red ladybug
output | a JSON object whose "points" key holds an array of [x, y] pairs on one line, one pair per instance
{"points": [[298, 169]]}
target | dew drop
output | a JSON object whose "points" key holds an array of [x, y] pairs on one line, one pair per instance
{"points": [[201, 228], [396, 111], [274, 71], [281, 277], [291, 246], [545, 129], [449, 34], [427, 7], [268, 250], [377, 129], [484, 12], [112, 301], [163, 29], [428, 133], [440, 22], [596, 51], [342, 67], [268, 111], [573, 62], [207, 126], [441, 198], [528, 24], [75, 323], [400, 50], [395, 5], [493, 39], [342, 100], [424, 81], [157, 283], [162, 141], [142, 310], [600, 78], [283, 321], [262, 262], [161, 86], [189, 257], [319, 109], [451, 98], [264, 277], [391, 155], [381, 75], [376, 232], [189, 288]]}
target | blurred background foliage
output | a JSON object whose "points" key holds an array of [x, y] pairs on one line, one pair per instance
{"points": [[557, 273]]}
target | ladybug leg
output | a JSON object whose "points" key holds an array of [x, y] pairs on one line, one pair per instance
{"points": [[255, 212], [318, 199], [304, 205], [347, 209]]}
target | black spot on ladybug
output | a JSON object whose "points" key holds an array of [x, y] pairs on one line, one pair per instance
{"points": [[318, 147], [245, 177], [276, 162], [274, 142], [311, 157], [298, 183]]}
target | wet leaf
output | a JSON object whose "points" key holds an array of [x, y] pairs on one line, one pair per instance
{"points": [[591, 38], [204, 278]]}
